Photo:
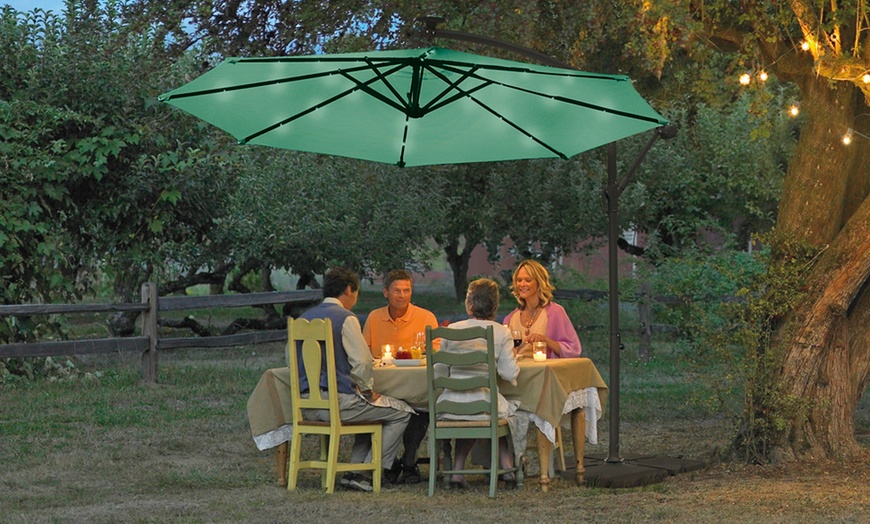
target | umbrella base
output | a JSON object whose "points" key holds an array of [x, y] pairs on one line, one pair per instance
{"points": [[635, 470]]}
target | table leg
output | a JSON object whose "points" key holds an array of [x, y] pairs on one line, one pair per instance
{"points": [[281, 463], [544, 447], [578, 432]]}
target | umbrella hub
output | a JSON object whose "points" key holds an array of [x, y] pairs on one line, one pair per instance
{"points": [[414, 110]]}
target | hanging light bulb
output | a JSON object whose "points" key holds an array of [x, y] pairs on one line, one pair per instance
{"points": [[794, 110], [762, 76], [847, 138], [866, 78], [745, 79], [805, 45]]}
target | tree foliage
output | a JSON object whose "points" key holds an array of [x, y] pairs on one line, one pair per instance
{"points": [[307, 212], [95, 174], [821, 344]]}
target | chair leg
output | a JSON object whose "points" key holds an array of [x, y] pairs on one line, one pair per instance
{"points": [[433, 462], [332, 461], [377, 460], [295, 453], [494, 465], [281, 463]]}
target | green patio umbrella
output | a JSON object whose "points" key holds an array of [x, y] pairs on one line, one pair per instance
{"points": [[416, 107]]}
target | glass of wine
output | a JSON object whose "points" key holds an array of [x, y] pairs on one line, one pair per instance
{"points": [[518, 338]]}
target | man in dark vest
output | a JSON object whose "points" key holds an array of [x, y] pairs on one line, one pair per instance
{"points": [[353, 363]]}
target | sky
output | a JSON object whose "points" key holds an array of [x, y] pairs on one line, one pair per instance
{"points": [[28, 5]]}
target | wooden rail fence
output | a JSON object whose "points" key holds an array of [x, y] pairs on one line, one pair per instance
{"points": [[149, 343]]}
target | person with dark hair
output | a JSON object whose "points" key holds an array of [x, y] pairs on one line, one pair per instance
{"points": [[481, 304], [353, 363], [538, 318], [398, 324]]}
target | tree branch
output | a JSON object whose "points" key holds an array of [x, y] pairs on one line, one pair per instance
{"points": [[214, 277], [186, 323], [631, 249]]}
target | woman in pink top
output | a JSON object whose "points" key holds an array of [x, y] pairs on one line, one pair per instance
{"points": [[538, 318]]}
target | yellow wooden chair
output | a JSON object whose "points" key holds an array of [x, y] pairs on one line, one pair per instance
{"points": [[492, 429], [315, 338]]}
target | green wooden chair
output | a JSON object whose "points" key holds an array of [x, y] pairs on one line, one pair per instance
{"points": [[490, 429], [316, 339]]}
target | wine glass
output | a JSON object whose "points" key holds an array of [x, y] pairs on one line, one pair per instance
{"points": [[517, 335]]}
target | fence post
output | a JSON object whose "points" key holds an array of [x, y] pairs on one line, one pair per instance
{"points": [[149, 329], [645, 314]]}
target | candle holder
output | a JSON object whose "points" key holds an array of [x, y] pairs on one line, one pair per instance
{"points": [[539, 356], [386, 355]]}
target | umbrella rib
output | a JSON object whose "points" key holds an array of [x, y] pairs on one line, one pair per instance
{"points": [[587, 105], [359, 86], [560, 98], [520, 129], [570, 73], [401, 162], [462, 93], [433, 105], [383, 79], [264, 83]]}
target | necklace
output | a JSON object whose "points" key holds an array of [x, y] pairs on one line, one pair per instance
{"points": [[532, 321]]}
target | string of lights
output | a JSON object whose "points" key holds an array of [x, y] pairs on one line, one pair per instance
{"points": [[850, 133], [794, 110]]}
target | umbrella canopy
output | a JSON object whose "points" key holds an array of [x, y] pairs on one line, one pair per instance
{"points": [[416, 107]]}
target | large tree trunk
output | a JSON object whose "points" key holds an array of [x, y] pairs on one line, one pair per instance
{"points": [[458, 260], [826, 340]]}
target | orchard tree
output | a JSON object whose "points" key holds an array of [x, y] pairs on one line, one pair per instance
{"points": [[306, 212], [715, 184], [548, 207], [99, 180]]}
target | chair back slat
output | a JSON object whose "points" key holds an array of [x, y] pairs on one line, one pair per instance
{"points": [[464, 408], [313, 339], [471, 358], [312, 366], [462, 384]]}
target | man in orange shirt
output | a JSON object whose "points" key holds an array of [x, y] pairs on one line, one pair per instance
{"points": [[397, 324]]}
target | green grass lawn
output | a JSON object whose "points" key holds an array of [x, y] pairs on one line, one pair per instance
{"points": [[110, 449]]}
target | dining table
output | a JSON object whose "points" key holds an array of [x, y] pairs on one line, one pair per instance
{"points": [[554, 393]]}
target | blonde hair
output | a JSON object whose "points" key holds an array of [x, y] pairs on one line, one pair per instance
{"points": [[540, 275]]}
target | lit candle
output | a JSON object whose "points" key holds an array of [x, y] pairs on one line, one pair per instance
{"points": [[539, 356], [387, 355]]}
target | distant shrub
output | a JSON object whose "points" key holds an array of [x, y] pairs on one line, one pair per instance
{"points": [[14, 370]]}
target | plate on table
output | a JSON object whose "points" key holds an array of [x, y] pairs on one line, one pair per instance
{"points": [[409, 362]]}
